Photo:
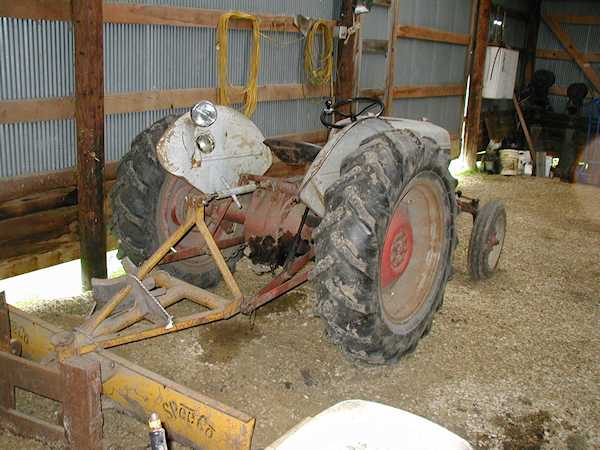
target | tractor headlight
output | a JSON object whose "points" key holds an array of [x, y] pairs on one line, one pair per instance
{"points": [[204, 114], [205, 143]]}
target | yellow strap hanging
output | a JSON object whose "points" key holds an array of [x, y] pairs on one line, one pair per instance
{"points": [[319, 76], [224, 88]]}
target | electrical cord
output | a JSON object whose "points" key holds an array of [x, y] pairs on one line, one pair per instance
{"points": [[319, 75], [224, 87]]}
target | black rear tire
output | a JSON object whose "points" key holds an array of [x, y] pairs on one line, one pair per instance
{"points": [[487, 240], [135, 201], [350, 242]]}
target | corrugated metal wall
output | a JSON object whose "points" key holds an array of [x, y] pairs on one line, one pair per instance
{"points": [[36, 61], [585, 37], [421, 62]]}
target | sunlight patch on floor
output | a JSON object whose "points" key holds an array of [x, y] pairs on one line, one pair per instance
{"points": [[61, 281]]}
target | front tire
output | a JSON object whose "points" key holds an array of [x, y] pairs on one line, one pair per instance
{"points": [[487, 240], [385, 245]]}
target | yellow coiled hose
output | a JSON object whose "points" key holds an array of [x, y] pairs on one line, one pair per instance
{"points": [[224, 88], [321, 75]]}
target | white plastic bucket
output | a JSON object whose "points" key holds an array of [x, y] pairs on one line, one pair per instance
{"points": [[510, 161]]}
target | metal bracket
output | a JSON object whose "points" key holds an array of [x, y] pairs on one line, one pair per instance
{"points": [[151, 308]]}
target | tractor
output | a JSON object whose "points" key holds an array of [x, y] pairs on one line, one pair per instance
{"points": [[376, 211]]}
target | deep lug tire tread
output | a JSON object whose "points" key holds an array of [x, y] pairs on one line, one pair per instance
{"points": [[358, 207]]}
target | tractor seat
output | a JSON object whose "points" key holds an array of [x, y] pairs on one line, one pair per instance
{"points": [[294, 153]]}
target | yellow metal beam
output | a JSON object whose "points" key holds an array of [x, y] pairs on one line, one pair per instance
{"points": [[189, 417]]}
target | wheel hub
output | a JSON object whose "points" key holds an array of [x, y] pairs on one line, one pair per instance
{"points": [[398, 247]]}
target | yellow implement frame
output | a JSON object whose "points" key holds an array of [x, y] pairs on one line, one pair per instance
{"points": [[188, 417]]}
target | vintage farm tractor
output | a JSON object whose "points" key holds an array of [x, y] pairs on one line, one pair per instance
{"points": [[375, 211]]}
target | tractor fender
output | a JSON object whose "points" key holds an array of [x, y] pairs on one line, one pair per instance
{"points": [[325, 169], [238, 149]]}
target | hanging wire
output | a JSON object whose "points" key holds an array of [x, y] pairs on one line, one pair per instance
{"points": [[224, 87], [320, 75]]}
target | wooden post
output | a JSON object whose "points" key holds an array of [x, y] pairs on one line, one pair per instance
{"points": [[533, 27], [393, 12], [476, 84], [7, 391], [348, 66], [89, 118], [82, 411]]}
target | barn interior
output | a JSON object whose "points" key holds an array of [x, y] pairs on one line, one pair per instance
{"points": [[233, 224]]}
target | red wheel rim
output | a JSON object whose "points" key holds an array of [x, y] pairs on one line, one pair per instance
{"points": [[397, 247], [412, 252]]}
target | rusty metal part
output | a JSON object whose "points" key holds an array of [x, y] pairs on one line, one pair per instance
{"points": [[90, 326], [176, 198], [201, 250], [282, 283], [295, 153], [218, 307], [217, 256], [189, 417], [467, 204], [270, 229], [286, 186]]}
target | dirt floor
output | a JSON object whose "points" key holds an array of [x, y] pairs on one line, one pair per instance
{"points": [[511, 363]]}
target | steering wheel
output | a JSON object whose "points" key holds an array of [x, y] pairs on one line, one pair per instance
{"points": [[327, 115]]}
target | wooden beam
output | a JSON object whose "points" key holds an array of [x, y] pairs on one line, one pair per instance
{"points": [[142, 15], [569, 46], [564, 56], [13, 111], [81, 385], [349, 55], [533, 27], [579, 20], [190, 17], [418, 91], [431, 34], [375, 46], [525, 130], [12, 188], [390, 60], [473, 16], [89, 119], [58, 108], [476, 84], [36, 9], [429, 90]]}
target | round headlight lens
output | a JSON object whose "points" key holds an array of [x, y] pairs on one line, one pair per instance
{"points": [[205, 143], [204, 114]]}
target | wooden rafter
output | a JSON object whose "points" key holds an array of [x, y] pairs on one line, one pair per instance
{"points": [[579, 57], [13, 111], [141, 14], [431, 34], [593, 57]]}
